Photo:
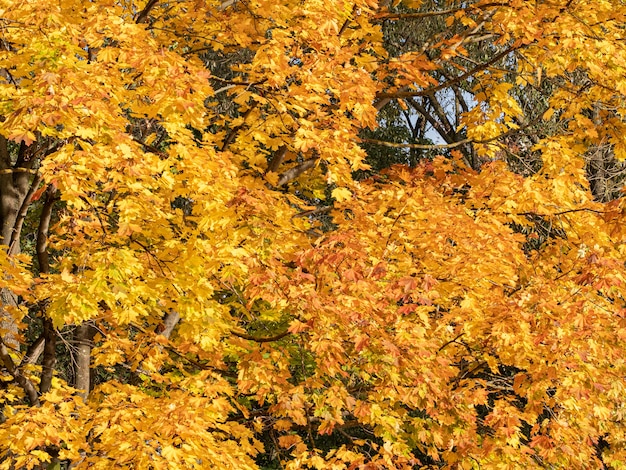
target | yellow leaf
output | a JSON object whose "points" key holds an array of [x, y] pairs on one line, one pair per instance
{"points": [[341, 194]]}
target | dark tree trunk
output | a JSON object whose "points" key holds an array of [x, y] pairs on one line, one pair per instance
{"points": [[14, 186]]}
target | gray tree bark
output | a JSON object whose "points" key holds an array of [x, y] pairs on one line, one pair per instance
{"points": [[82, 339], [14, 188]]}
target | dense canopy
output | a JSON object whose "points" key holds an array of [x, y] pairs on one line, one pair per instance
{"points": [[360, 234]]}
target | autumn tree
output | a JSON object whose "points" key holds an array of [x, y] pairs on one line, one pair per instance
{"points": [[197, 272]]}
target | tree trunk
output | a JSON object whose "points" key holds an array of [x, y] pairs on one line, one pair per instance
{"points": [[82, 339], [14, 185]]}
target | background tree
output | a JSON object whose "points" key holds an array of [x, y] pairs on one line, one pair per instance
{"points": [[204, 267]]}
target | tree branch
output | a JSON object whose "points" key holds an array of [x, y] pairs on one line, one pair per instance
{"points": [[5, 159], [22, 381], [347, 22], [233, 133], [142, 16], [455, 144], [171, 348], [268, 339], [150, 148], [83, 339], [33, 352], [449, 83], [49, 355], [430, 14], [277, 159], [21, 215], [417, 146], [42, 230], [49, 332], [225, 4], [437, 125], [169, 323], [296, 171]]}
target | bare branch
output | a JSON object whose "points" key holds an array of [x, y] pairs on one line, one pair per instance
{"points": [[150, 148], [33, 352], [277, 159], [42, 230], [21, 215], [225, 4], [296, 171], [430, 14], [5, 159], [449, 83], [233, 133], [417, 146], [22, 381], [268, 339], [454, 144], [49, 355], [169, 323], [142, 16]]}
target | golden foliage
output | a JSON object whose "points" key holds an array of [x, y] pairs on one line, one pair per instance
{"points": [[453, 318]]}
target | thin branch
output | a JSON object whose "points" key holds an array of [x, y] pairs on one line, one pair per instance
{"points": [[150, 148], [33, 352], [296, 171], [21, 215], [453, 340], [171, 348], [556, 214], [311, 213], [233, 133], [449, 137], [449, 83], [170, 321], [235, 82], [416, 15], [417, 146], [454, 144], [430, 14], [223, 89], [42, 230], [22, 381], [347, 22], [142, 16], [49, 355], [267, 339], [277, 159]]}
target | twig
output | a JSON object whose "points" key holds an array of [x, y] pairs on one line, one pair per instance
{"points": [[417, 146], [142, 16], [454, 81], [449, 342], [430, 14], [233, 133], [18, 377], [268, 339]]}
